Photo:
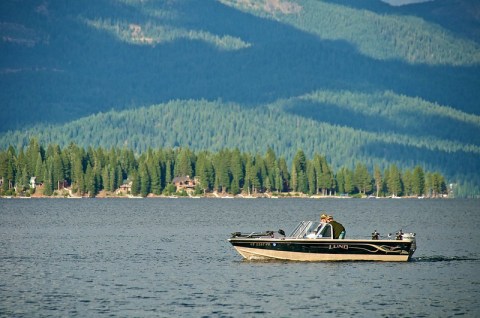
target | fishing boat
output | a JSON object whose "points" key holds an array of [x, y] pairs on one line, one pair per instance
{"points": [[314, 241]]}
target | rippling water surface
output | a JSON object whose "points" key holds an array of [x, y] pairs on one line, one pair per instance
{"points": [[170, 257]]}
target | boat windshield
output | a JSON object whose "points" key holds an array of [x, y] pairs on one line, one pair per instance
{"points": [[305, 228], [312, 229]]}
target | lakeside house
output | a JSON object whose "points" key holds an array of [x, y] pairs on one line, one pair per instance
{"points": [[125, 188], [184, 183]]}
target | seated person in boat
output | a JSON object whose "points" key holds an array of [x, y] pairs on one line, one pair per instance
{"points": [[323, 219], [338, 229], [315, 234]]}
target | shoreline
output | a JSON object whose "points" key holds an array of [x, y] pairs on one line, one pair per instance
{"points": [[67, 193], [215, 196]]}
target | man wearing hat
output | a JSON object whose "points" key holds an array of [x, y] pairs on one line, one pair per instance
{"points": [[338, 229]]}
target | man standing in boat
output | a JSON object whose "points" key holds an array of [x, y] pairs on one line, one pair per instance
{"points": [[338, 229]]}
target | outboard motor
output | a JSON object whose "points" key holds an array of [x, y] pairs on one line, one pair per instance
{"points": [[411, 237]]}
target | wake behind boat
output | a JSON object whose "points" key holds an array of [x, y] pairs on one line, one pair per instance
{"points": [[314, 241]]}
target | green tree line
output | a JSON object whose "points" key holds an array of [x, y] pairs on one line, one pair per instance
{"points": [[91, 170]]}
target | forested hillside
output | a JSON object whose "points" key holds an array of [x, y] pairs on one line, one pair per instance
{"points": [[354, 80]]}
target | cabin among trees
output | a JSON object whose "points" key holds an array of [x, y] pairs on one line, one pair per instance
{"points": [[125, 188], [184, 183]]}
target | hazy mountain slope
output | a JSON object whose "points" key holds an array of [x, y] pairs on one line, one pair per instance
{"points": [[376, 35], [459, 16], [61, 60]]}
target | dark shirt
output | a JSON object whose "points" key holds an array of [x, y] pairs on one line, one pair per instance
{"points": [[327, 232], [337, 229]]}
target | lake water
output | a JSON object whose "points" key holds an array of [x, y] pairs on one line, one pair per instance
{"points": [[170, 257]]}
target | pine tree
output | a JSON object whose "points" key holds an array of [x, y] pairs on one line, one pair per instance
{"points": [[344, 179], [311, 178], [135, 183], [294, 178], [261, 172], [278, 180], [106, 179], [58, 172], [168, 171], [284, 174], [8, 169], [255, 176], [222, 171], [155, 177], [20, 168], [271, 165], [48, 179], [184, 163], [128, 163], [340, 177], [144, 179], [90, 182], [205, 171], [394, 183], [112, 181], [299, 165], [249, 175], [386, 177], [438, 185], [236, 170], [235, 186], [302, 182], [407, 179], [362, 179], [97, 174], [32, 154], [22, 179], [78, 176], [418, 181], [326, 179], [67, 167], [119, 176], [348, 174]]}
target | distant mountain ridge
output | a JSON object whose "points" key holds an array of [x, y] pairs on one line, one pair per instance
{"points": [[402, 82]]}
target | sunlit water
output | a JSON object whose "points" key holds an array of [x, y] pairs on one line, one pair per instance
{"points": [[170, 257]]}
